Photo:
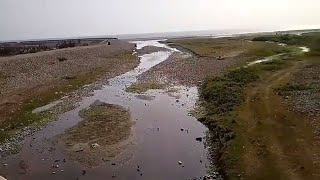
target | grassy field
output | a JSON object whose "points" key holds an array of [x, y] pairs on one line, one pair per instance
{"points": [[269, 139], [230, 47]]}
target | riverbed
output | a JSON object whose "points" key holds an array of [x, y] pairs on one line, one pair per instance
{"points": [[163, 145]]}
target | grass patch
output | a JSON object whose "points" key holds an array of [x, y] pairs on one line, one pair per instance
{"points": [[111, 124], [291, 88], [223, 94], [311, 40], [263, 49], [214, 47], [141, 87]]}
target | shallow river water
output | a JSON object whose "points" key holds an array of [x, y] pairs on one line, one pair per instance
{"points": [[159, 142]]}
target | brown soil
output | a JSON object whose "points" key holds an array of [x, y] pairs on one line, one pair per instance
{"points": [[273, 142], [105, 124], [181, 68]]}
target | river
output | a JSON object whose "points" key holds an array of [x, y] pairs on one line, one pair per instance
{"points": [[164, 134]]}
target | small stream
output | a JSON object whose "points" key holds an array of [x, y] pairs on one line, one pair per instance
{"points": [[270, 58], [159, 142]]}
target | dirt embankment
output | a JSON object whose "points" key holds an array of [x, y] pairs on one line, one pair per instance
{"points": [[32, 80], [102, 134]]}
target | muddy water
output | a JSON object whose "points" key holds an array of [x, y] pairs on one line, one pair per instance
{"points": [[163, 135]]}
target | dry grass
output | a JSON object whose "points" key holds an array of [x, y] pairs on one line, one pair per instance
{"points": [[214, 47], [105, 124]]}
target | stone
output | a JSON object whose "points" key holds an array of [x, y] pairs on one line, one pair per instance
{"points": [[95, 145]]}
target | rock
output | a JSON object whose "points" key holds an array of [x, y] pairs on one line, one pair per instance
{"points": [[179, 162], [95, 145], [53, 172], [69, 77], [61, 170], [62, 59], [84, 172], [199, 139]]}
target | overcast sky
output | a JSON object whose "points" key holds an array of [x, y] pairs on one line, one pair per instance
{"points": [[29, 19]]}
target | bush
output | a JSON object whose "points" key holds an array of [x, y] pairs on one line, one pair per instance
{"points": [[223, 94]]}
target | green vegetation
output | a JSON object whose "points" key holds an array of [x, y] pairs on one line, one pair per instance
{"points": [[291, 88], [231, 47], [263, 49], [213, 47], [222, 96], [311, 40], [141, 87]]}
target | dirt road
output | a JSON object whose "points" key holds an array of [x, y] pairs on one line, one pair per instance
{"points": [[274, 137]]}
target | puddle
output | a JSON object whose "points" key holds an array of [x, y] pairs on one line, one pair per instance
{"points": [[164, 134]]}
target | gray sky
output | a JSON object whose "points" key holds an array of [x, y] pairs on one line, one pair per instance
{"points": [[29, 19]]}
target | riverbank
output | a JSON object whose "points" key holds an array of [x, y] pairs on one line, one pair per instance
{"points": [[213, 57], [33, 80], [269, 137]]}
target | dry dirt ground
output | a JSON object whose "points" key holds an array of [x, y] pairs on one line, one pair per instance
{"points": [[105, 130], [32, 80], [276, 142]]}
